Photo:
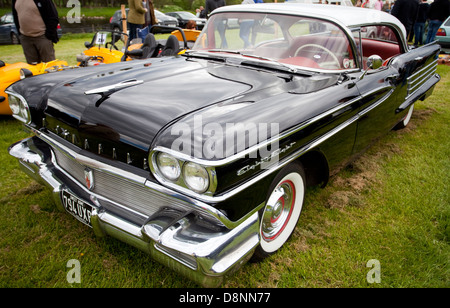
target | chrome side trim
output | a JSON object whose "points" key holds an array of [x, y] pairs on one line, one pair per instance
{"points": [[376, 104], [420, 77]]}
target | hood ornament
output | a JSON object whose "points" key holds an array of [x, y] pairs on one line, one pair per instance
{"points": [[105, 92]]}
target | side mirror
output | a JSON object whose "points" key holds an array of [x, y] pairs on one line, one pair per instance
{"points": [[373, 62]]}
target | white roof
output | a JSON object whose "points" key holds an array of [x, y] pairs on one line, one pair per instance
{"points": [[344, 15]]}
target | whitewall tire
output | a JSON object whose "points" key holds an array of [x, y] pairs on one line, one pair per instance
{"points": [[281, 213]]}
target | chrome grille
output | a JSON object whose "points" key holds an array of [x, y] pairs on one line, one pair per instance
{"points": [[122, 191]]}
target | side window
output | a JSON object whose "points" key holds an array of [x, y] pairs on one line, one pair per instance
{"points": [[379, 40]]}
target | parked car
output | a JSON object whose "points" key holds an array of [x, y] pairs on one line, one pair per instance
{"points": [[165, 20], [115, 21], [8, 30], [202, 160], [443, 34], [184, 17], [13, 72]]}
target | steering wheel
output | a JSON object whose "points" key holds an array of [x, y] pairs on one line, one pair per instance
{"points": [[335, 59]]}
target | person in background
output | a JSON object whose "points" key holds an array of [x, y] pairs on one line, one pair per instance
{"points": [[202, 13], [378, 5], [136, 17], [437, 14], [211, 5], [150, 18], [406, 12], [419, 26], [191, 25], [245, 26], [37, 22]]}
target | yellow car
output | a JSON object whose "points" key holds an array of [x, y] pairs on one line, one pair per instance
{"points": [[11, 73], [102, 48]]}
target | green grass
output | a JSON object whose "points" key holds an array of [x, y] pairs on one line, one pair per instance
{"points": [[391, 204]]}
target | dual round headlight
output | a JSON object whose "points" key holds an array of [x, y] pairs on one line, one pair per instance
{"points": [[193, 175], [19, 108]]}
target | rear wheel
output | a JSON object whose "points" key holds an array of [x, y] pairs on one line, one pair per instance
{"points": [[282, 211]]}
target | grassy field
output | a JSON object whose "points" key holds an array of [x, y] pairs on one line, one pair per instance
{"points": [[391, 205]]}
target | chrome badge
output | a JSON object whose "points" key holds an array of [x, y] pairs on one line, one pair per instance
{"points": [[89, 178]]}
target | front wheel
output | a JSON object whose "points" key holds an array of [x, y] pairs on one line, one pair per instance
{"points": [[282, 211]]}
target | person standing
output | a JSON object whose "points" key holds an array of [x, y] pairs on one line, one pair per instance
{"points": [[378, 5], [419, 26], [136, 17], [406, 12], [211, 5], [437, 14], [150, 18], [37, 23]]}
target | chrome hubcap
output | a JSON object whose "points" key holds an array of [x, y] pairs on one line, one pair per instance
{"points": [[278, 210]]}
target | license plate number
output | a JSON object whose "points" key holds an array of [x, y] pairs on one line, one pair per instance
{"points": [[77, 207]]}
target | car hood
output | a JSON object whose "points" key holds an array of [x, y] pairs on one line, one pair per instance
{"points": [[164, 91]]}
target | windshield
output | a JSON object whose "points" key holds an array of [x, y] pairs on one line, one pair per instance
{"points": [[292, 40]]}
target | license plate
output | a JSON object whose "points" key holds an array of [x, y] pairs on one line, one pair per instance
{"points": [[80, 209]]}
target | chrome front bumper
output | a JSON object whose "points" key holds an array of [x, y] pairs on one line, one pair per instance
{"points": [[204, 255]]}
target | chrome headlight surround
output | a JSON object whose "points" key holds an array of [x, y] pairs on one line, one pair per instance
{"points": [[194, 178], [19, 107]]}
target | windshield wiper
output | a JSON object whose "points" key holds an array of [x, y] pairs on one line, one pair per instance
{"points": [[272, 61], [264, 61]]}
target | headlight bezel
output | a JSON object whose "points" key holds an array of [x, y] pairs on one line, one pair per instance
{"points": [[180, 183], [19, 107]]}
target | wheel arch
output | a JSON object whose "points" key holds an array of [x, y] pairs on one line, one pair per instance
{"points": [[316, 168]]}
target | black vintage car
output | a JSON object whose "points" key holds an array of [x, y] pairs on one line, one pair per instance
{"points": [[202, 160]]}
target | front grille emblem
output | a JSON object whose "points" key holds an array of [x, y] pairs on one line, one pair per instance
{"points": [[89, 178]]}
